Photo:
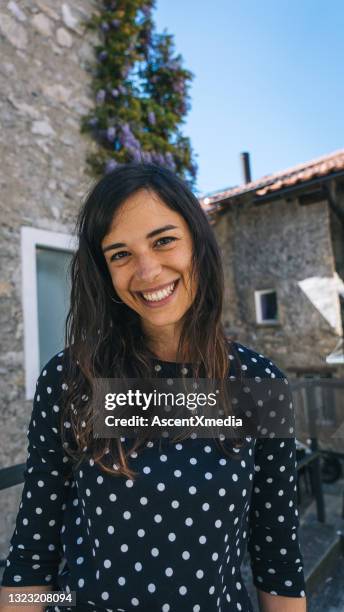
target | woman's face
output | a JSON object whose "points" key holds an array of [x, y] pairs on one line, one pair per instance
{"points": [[148, 251]]}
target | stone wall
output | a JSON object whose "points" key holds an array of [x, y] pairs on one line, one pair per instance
{"points": [[278, 244], [44, 89]]}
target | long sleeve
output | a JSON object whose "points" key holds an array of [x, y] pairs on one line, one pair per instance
{"points": [[35, 550], [273, 545]]}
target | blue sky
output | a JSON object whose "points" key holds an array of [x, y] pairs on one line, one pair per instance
{"points": [[268, 80]]}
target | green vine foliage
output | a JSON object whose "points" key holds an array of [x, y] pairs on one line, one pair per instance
{"points": [[140, 91]]}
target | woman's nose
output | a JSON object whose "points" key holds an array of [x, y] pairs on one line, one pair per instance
{"points": [[148, 268]]}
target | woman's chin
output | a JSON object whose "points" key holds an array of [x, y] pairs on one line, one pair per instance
{"points": [[161, 319]]}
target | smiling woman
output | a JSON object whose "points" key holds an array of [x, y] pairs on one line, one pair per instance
{"points": [[149, 262], [158, 525]]}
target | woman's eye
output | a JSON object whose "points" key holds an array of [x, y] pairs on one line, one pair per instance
{"points": [[165, 240], [160, 242], [118, 255]]}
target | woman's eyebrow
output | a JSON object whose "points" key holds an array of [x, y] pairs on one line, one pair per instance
{"points": [[159, 230]]}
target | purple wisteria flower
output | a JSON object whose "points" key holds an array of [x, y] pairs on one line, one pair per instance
{"points": [[125, 71], [115, 23], [102, 56], [136, 155], [100, 97], [170, 161], [132, 45], [110, 165], [122, 89], [105, 26], [114, 93], [111, 133], [130, 142], [146, 156], [146, 10], [179, 86], [158, 158], [151, 118], [93, 121], [128, 136]]}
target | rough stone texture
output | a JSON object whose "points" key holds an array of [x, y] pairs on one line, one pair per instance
{"points": [[42, 24], [64, 38], [276, 245], [16, 11], [13, 31], [45, 88]]}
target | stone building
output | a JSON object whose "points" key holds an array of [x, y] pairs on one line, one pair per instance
{"points": [[45, 88], [282, 239]]}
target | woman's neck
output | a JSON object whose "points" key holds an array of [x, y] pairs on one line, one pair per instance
{"points": [[163, 342]]}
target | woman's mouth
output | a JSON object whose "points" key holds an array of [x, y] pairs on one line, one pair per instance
{"points": [[159, 297]]}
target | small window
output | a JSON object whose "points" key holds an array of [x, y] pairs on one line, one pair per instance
{"points": [[266, 306], [45, 257], [53, 290]]}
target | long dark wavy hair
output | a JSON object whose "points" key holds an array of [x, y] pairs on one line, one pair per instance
{"points": [[105, 339]]}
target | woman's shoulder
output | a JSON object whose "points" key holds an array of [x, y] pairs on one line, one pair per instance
{"points": [[252, 362], [53, 372]]}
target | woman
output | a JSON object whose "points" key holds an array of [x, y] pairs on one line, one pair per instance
{"points": [[151, 524]]}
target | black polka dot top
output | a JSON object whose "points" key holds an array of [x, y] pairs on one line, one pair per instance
{"points": [[174, 539]]}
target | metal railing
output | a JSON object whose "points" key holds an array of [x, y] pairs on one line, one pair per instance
{"points": [[319, 412], [11, 476]]}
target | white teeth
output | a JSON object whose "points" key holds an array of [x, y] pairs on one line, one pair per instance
{"points": [[159, 295]]}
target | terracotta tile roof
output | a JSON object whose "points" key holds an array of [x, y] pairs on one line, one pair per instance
{"points": [[322, 166]]}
